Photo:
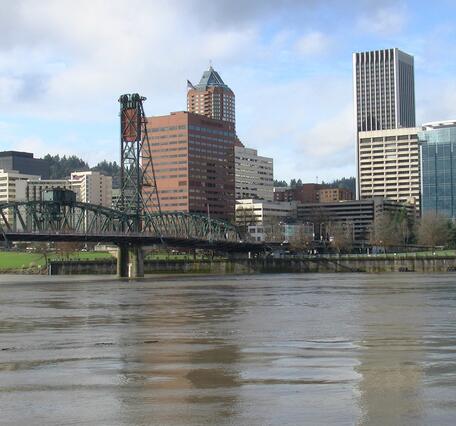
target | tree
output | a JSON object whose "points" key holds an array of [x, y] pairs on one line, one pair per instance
{"points": [[382, 232], [273, 229], [44, 249], [392, 229], [62, 167], [301, 239], [67, 248], [320, 219], [109, 168], [245, 217], [280, 183], [433, 230], [341, 235]]}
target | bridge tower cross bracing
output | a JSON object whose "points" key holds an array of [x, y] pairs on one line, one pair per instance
{"points": [[138, 186]]}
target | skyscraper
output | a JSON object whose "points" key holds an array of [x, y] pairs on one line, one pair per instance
{"points": [[384, 104], [211, 97], [193, 158], [438, 165], [384, 90]]}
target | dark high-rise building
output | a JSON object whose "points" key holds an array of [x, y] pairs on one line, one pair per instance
{"points": [[193, 158], [384, 90], [23, 162], [212, 97]]}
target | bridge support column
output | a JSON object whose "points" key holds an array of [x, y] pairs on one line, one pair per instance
{"points": [[136, 264], [130, 261], [122, 261]]}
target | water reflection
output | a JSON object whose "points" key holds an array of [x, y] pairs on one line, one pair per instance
{"points": [[391, 358], [183, 371]]}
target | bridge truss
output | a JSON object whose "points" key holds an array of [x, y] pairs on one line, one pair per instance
{"points": [[88, 221]]}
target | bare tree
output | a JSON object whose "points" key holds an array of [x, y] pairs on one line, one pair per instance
{"points": [[245, 217], [273, 229], [433, 230], [341, 235], [302, 239], [392, 230], [320, 219], [383, 232], [66, 248], [42, 248]]}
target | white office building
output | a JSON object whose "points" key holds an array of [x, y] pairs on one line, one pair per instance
{"points": [[389, 165], [92, 187], [10, 185], [253, 175]]}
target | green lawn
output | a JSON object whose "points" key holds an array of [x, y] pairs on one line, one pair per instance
{"points": [[19, 260]]}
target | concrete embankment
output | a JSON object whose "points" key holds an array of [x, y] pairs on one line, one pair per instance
{"points": [[373, 264]]}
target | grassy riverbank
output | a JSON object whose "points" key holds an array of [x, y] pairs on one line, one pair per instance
{"points": [[13, 260]]}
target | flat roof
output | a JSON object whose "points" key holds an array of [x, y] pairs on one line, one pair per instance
{"points": [[439, 124], [16, 154]]}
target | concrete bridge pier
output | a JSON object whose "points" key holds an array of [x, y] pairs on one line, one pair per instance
{"points": [[130, 261]]}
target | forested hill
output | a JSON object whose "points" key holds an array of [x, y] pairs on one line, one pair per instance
{"points": [[62, 167], [347, 183]]}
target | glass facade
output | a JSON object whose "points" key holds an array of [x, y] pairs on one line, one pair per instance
{"points": [[438, 171]]}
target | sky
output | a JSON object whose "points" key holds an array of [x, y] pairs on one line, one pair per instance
{"points": [[63, 65]]}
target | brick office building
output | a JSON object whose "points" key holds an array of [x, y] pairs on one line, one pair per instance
{"points": [[193, 158], [312, 193]]}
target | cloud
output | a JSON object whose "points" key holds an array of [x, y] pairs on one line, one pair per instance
{"points": [[436, 100], [305, 125], [385, 20], [63, 67], [312, 43]]}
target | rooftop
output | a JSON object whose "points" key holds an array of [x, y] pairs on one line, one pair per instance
{"points": [[439, 124], [16, 154], [210, 78]]}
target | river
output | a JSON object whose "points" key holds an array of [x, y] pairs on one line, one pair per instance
{"points": [[307, 349]]}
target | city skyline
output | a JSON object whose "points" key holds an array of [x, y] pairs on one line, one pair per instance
{"points": [[61, 72]]}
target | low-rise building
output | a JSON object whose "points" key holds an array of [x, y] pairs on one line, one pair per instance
{"points": [[358, 215], [10, 184], [33, 189], [89, 187], [24, 163], [263, 219], [328, 195], [312, 193], [305, 193]]}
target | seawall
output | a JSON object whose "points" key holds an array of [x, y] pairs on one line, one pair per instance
{"points": [[373, 264]]}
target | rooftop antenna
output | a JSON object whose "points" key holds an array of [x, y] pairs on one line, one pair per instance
{"points": [[210, 63]]}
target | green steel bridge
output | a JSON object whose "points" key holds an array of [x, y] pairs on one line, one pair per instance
{"points": [[41, 220], [83, 222], [136, 221]]}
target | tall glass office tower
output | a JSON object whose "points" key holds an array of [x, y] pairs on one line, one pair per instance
{"points": [[438, 168]]}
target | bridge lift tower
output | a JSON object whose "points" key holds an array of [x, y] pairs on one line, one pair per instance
{"points": [[138, 186]]}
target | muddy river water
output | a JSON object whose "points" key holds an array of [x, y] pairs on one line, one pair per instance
{"points": [[285, 349]]}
